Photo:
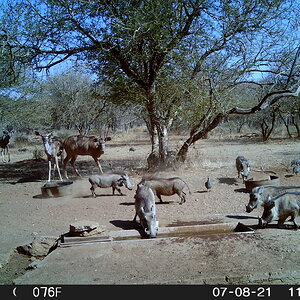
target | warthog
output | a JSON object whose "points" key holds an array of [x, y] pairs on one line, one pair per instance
{"points": [[296, 170], [260, 194], [243, 167], [110, 180], [282, 206], [295, 162], [167, 187], [145, 209]]}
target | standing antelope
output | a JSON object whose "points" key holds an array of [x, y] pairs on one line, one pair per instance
{"points": [[83, 145], [53, 147], [4, 140]]}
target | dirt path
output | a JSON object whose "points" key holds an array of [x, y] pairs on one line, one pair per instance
{"points": [[269, 254]]}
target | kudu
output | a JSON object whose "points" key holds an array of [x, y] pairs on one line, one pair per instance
{"points": [[83, 145], [4, 140], [53, 147]]}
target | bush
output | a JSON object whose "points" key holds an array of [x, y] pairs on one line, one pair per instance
{"points": [[37, 154]]}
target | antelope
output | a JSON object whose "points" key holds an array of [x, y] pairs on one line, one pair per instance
{"points": [[53, 147], [4, 140], [83, 145]]}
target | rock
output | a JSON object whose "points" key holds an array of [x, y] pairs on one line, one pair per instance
{"points": [[81, 226], [40, 246], [85, 228], [25, 249]]}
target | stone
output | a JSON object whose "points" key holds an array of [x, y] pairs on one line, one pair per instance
{"points": [[85, 228], [40, 246], [81, 226]]}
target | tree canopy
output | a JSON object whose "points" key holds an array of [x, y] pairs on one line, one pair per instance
{"points": [[176, 58]]}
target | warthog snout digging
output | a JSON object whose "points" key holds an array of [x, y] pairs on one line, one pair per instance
{"points": [[281, 207], [110, 180], [167, 187], [146, 210], [243, 167]]}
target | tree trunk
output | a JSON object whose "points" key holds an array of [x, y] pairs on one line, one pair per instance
{"points": [[163, 142], [266, 132], [294, 122], [158, 129], [197, 135], [286, 124]]}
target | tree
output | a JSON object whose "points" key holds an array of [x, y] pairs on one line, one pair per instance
{"points": [[148, 45], [74, 101]]}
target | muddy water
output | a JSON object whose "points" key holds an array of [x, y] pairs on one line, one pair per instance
{"points": [[191, 231]]}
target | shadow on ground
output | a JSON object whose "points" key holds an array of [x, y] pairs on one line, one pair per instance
{"points": [[228, 180], [30, 170]]}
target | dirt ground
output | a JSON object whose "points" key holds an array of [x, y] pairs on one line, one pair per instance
{"points": [[270, 255]]}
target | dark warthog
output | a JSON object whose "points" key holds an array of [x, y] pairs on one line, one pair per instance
{"points": [[145, 209], [260, 194], [110, 180], [243, 167], [281, 207], [83, 145]]}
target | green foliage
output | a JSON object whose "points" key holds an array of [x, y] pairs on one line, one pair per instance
{"points": [[173, 59], [22, 115]]}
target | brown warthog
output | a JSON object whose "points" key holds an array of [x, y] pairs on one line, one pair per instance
{"points": [[167, 187]]}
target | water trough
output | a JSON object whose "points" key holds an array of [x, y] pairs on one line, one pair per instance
{"points": [[199, 230], [262, 179]]}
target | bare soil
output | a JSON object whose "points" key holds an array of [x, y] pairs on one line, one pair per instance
{"points": [[270, 255]]}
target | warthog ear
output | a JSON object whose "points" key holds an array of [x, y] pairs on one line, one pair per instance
{"points": [[108, 138], [36, 132], [120, 181]]}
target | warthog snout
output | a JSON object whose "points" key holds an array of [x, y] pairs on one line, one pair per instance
{"points": [[249, 208]]}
